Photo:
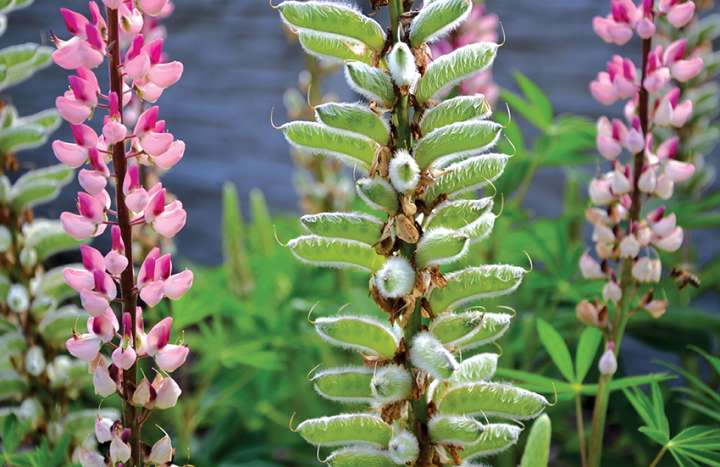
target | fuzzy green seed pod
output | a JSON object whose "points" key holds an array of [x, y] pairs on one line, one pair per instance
{"points": [[440, 246], [371, 82], [396, 278], [360, 456], [18, 299], [457, 141], [454, 67], [496, 438], [492, 399], [404, 172], [401, 64], [5, 239], [454, 430], [333, 19], [335, 48], [335, 253], [357, 118], [360, 333], [377, 193], [352, 149], [455, 110], [428, 354], [468, 175], [457, 214], [391, 383], [403, 447], [348, 225], [350, 384], [437, 19], [469, 329], [480, 367], [475, 283], [346, 429], [537, 447], [480, 228]]}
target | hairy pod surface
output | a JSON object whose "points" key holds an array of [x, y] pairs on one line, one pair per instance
{"points": [[391, 383], [371, 82], [470, 329], [476, 283], [357, 118], [351, 384], [468, 175], [332, 18], [350, 226], [480, 367], [429, 355], [352, 149], [480, 228], [335, 253], [404, 447], [453, 68], [454, 430], [496, 437], [537, 446], [437, 19], [457, 141], [346, 429], [335, 49], [396, 278], [377, 193], [455, 110], [360, 333], [440, 246], [457, 214], [492, 399], [360, 456]]}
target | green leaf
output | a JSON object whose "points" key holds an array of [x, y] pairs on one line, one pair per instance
{"points": [[454, 67], [586, 350], [542, 106], [556, 348], [537, 447], [234, 249]]}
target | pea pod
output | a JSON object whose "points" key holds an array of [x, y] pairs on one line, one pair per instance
{"points": [[371, 82], [350, 384], [468, 175], [332, 48], [454, 430], [496, 438], [440, 246], [437, 19], [350, 148], [457, 214], [480, 228], [480, 367], [476, 283], [335, 253], [377, 193], [357, 118], [360, 456], [453, 68], [455, 110], [346, 429], [333, 18], [428, 354], [469, 329], [350, 226], [390, 384], [492, 399], [457, 141], [360, 333], [537, 446]]}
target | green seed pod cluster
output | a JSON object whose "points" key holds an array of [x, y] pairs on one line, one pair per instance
{"points": [[424, 395]]}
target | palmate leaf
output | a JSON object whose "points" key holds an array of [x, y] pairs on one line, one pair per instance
{"points": [[535, 108], [585, 352], [556, 348], [701, 397]]}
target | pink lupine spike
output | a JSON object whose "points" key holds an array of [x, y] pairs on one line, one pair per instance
{"points": [[159, 336]]}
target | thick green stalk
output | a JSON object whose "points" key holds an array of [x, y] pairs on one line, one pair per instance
{"points": [[627, 282], [127, 279]]}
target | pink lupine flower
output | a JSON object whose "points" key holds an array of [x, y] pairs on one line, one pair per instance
{"points": [[119, 448], [84, 347], [90, 220], [679, 13], [113, 129], [590, 268], [169, 357], [610, 137], [658, 75], [115, 260], [600, 192], [103, 429], [656, 308], [162, 451], [136, 197], [629, 246], [647, 270], [617, 28], [94, 180], [166, 219], [612, 292], [144, 394], [682, 69], [124, 355], [588, 314], [170, 157], [86, 49], [167, 392], [150, 133], [79, 102], [103, 383], [95, 286], [76, 154], [104, 325], [671, 112], [620, 180], [152, 7], [618, 82], [150, 76], [156, 280]]}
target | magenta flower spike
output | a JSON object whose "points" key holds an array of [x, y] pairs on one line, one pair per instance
{"points": [[111, 158], [643, 168]]}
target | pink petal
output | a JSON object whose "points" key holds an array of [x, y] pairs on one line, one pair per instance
{"points": [[78, 279], [156, 143], [84, 347], [124, 359], [678, 171], [78, 227], [170, 221], [115, 262], [177, 284], [168, 393], [159, 336], [152, 293], [114, 132], [165, 75], [92, 181], [103, 383], [93, 302], [69, 154], [152, 7], [171, 357], [681, 14], [172, 156], [137, 200], [138, 67], [685, 70], [72, 110]]}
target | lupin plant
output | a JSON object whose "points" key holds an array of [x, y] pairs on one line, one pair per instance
{"points": [[630, 224], [122, 357], [421, 402], [38, 380]]}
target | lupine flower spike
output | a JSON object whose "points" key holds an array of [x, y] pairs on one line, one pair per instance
{"points": [[112, 158]]}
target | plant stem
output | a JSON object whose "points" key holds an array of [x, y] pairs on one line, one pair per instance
{"points": [[127, 280], [581, 430], [627, 282], [659, 456]]}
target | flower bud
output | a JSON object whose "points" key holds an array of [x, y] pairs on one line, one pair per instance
{"points": [[656, 308], [390, 384], [404, 172], [396, 278], [608, 363], [612, 292], [589, 314]]}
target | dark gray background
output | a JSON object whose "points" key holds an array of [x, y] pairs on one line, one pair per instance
{"points": [[237, 66]]}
